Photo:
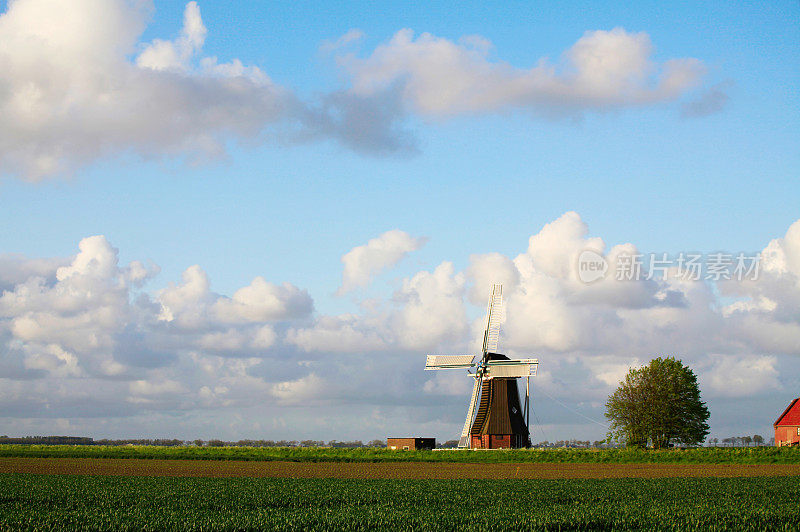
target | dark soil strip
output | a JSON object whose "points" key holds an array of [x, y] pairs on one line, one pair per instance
{"points": [[416, 470]]}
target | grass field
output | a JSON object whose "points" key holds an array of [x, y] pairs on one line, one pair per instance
{"points": [[706, 455], [29, 502], [367, 490]]}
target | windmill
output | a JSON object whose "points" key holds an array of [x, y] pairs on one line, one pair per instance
{"points": [[500, 420]]}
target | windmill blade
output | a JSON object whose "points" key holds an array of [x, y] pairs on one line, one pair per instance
{"points": [[449, 362], [493, 318], [513, 362], [523, 370], [476, 391], [525, 367]]}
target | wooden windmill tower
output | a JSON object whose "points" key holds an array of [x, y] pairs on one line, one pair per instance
{"points": [[501, 422]]}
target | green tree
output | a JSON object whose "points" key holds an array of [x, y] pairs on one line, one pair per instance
{"points": [[657, 405]]}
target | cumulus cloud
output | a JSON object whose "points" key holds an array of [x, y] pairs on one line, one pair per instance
{"points": [[612, 371], [15, 268], [78, 84], [177, 54], [296, 391], [192, 305], [143, 387], [587, 336], [343, 333], [79, 313], [362, 263], [83, 323], [264, 301], [743, 376], [80, 337], [765, 309], [427, 312], [433, 310], [602, 70], [550, 310], [69, 94]]}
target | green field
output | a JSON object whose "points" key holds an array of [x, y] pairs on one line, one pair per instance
{"points": [[147, 503], [708, 455]]}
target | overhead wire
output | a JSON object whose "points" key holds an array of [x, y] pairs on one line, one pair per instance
{"points": [[573, 410]]}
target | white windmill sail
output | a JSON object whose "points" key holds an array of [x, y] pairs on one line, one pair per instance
{"points": [[514, 368], [493, 319], [449, 361], [476, 391]]}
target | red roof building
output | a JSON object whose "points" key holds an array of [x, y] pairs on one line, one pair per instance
{"points": [[787, 427]]}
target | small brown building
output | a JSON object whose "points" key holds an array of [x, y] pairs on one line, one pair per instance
{"points": [[787, 426], [411, 444]]}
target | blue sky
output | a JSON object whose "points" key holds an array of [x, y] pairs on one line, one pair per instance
{"points": [[484, 180]]}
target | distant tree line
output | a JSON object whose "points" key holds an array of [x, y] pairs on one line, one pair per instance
{"points": [[355, 444], [48, 440], [162, 442], [574, 444], [740, 441], [156, 442], [734, 441]]}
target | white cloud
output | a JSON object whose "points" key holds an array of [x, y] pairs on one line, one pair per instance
{"points": [[611, 371], [765, 313], [782, 255], [177, 54], [550, 311], [55, 360], [428, 312], [337, 334], [264, 301], [15, 269], [82, 324], [554, 250], [453, 383], [75, 331], [229, 340], [362, 263], [487, 270], [603, 69], [297, 391], [234, 341], [192, 304], [69, 94], [79, 85], [144, 387], [79, 313], [740, 376], [264, 338], [433, 311], [187, 304]]}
